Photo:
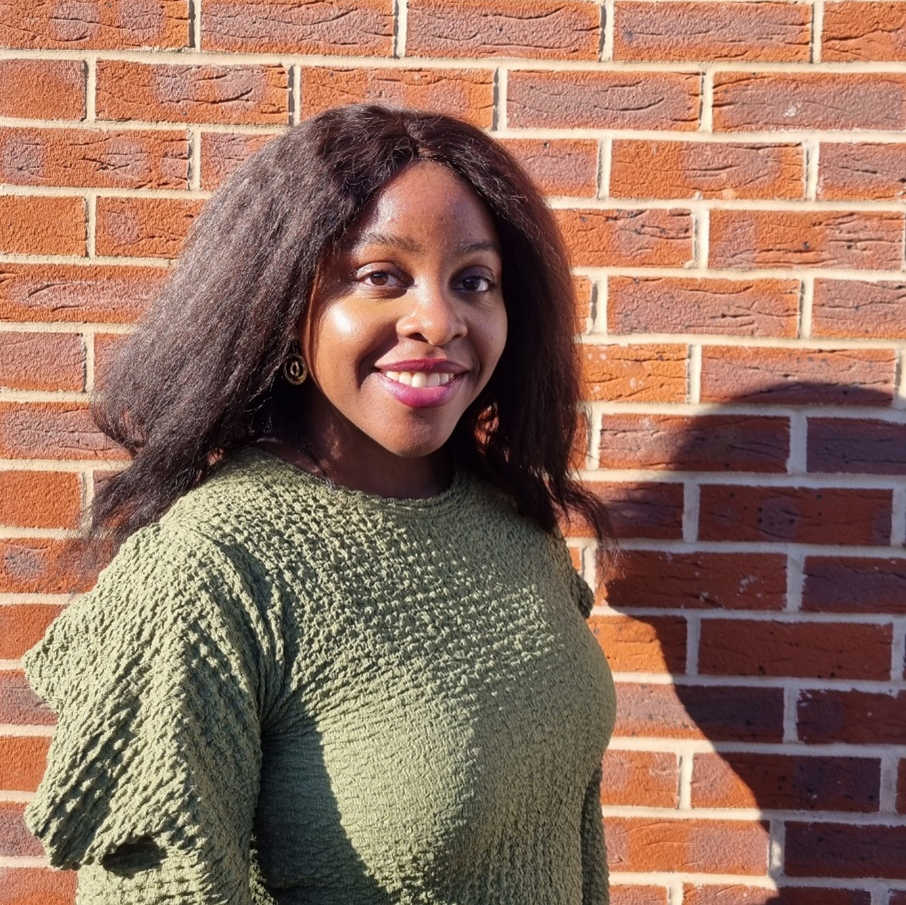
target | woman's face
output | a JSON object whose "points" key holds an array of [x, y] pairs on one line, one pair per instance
{"points": [[407, 322]]}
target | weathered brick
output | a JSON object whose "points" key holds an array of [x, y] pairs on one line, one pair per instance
{"points": [[862, 172], [466, 93], [638, 895], [15, 839], [584, 291], [22, 761], [742, 581], [844, 850], [19, 705], [856, 446], [901, 786], [41, 361], [693, 305], [745, 240], [627, 238], [92, 24], [636, 373], [144, 227], [568, 167], [786, 782], [809, 100], [534, 29], [42, 89], [652, 644], [603, 100], [37, 886], [732, 894], [650, 510], [198, 94], [694, 31], [706, 443], [77, 294], [798, 376], [22, 626], [696, 169], [811, 650], [39, 499], [349, 27], [52, 430], [90, 158], [688, 845], [640, 779], [844, 308], [803, 515], [864, 31], [42, 226], [223, 152], [41, 566], [719, 713], [852, 584], [830, 716]]}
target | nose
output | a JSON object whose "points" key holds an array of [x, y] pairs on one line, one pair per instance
{"points": [[435, 315]]}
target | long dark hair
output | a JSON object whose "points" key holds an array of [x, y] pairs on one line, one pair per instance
{"points": [[199, 377]]}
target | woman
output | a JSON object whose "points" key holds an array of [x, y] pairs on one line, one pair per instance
{"points": [[341, 656]]}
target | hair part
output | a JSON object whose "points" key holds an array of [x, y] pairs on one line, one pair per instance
{"points": [[200, 376]]}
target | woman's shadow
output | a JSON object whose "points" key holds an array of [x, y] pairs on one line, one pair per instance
{"points": [[757, 525]]}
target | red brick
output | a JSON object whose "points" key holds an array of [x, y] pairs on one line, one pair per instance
{"points": [[627, 238], [37, 886], [719, 713], [41, 361], [809, 100], [77, 294], [787, 895], [559, 167], [86, 158], [640, 779], [223, 152], [15, 839], [901, 787], [897, 897], [694, 31], [811, 650], [745, 240], [92, 24], [803, 515], [603, 100], [198, 94], [649, 510], [785, 782], [845, 850], [654, 644], [856, 446], [22, 625], [19, 705], [864, 31], [798, 376], [693, 305], [466, 93], [638, 895], [42, 89], [849, 584], [42, 226], [853, 308], [695, 169], [41, 566], [637, 373], [856, 717], [354, 27], [584, 291], [144, 227], [52, 430], [534, 29], [39, 499], [22, 761], [862, 172], [740, 581], [705, 443], [688, 845]]}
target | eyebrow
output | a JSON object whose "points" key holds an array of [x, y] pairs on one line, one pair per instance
{"points": [[406, 244]]}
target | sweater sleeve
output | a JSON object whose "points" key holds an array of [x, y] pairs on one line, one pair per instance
{"points": [[595, 885], [153, 772]]}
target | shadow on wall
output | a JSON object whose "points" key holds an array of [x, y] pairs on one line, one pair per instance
{"points": [[764, 556]]}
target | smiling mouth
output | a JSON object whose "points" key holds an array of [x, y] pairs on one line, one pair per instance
{"points": [[419, 379]]}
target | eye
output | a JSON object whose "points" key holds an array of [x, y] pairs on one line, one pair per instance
{"points": [[477, 282], [380, 278]]}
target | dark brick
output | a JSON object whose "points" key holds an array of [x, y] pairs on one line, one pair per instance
{"points": [[856, 446], [855, 717], [845, 850], [841, 584]]}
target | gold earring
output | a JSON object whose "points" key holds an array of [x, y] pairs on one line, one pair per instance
{"points": [[295, 371]]}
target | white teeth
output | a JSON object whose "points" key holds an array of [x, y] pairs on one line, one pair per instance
{"points": [[433, 380], [393, 375], [445, 378], [419, 379]]}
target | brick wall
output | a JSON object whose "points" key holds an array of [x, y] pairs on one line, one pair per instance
{"points": [[731, 179]]}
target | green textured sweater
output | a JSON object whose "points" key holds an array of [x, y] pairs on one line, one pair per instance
{"points": [[286, 692]]}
